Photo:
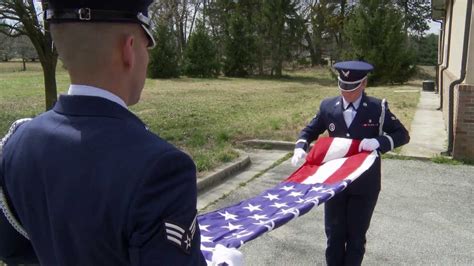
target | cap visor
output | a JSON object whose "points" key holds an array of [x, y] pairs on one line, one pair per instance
{"points": [[152, 42], [348, 87]]}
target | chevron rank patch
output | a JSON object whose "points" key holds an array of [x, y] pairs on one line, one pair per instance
{"points": [[180, 236]]}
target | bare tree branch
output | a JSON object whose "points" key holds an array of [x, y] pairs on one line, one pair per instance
{"points": [[11, 30], [19, 17], [8, 15], [10, 34]]}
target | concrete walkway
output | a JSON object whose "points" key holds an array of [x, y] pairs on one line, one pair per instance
{"points": [[261, 160], [428, 133]]}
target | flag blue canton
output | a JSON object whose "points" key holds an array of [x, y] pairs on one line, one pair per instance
{"points": [[235, 225]]}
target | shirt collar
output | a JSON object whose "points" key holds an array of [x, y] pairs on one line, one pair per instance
{"points": [[356, 103], [84, 90]]}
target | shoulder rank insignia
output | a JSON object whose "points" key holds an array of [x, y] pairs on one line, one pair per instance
{"points": [[180, 236]]}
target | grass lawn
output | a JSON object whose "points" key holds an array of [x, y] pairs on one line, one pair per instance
{"points": [[207, 117]]}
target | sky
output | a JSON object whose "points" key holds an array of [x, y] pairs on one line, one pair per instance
{"points": [[434, 27]]}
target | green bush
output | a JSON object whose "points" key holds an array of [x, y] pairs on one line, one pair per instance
{"points": [[239, 48], [200, 59], [375, 33], [164, 57], [427, 50]]}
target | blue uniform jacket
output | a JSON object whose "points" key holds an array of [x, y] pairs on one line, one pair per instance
{"points": [[365, 125], [92, 186]]}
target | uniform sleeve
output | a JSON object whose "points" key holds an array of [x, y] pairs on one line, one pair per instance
{"points": [[312, 131], [394, 133], [14, 248], [162, 221]]}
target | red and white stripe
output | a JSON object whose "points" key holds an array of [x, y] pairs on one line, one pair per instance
{"points": [[332, 160]]}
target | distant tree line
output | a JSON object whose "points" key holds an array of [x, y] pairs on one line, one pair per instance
{"points": [[239, 38], [17, 48], [427, 49]]}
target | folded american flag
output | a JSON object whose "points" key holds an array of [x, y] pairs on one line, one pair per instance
{"points": [[331, 165]]}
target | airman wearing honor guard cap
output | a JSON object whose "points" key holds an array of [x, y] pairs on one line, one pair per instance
{"points": [[86, 183], [353, 115]]}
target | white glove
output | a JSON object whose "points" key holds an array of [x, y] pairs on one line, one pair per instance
{"points": [[369, 145], [298, 154], [229, 256]]}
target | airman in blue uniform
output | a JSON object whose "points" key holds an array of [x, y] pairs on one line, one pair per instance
{"points": [[353, 115], [86, 183]]}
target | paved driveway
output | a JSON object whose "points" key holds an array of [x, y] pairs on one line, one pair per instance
{"points": [[424, 217]]}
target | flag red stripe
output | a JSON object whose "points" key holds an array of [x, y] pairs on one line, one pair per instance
{"points": [[349, 166], [301, 174], [319, 151], [354, 149]]}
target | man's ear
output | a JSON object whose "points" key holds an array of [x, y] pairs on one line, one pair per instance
{"points": [[128, 53]]}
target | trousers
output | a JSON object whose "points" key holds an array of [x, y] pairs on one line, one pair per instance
{"points": [[347, 219]]}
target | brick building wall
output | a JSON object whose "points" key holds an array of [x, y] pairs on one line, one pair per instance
{"points": [[463, 147]]}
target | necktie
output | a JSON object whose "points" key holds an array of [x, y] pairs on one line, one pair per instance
{"points": [[349, 114]]}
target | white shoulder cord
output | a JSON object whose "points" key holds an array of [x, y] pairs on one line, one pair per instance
{"points": [[382, 118], [3, 200]]}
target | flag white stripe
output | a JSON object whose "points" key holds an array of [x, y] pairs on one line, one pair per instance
{"points": [[175, 227], [174, 240], [325, 171], [338, 149], [171, 232], [348, 168], [366, 164], [204, 248]]}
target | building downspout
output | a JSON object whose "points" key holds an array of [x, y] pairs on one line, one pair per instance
{"points": [[467, 30], [440, 52], [441, 98]]}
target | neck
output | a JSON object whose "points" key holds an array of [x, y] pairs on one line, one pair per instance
{"points": [[106, 84]]}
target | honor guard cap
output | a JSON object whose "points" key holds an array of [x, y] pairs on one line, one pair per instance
{"points": [[352, 73], [118, 11]]}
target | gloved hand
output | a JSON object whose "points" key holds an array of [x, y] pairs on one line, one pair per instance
{"points": [[298, 154], [369, 145], [226, 256]]}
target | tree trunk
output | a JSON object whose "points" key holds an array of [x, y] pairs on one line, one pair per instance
{"points": [[24, 64], [406, 9], [49, 74], [261, 70], [312, 52], [278, 70], [339, 36], [50, 88], [279, 56]]}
